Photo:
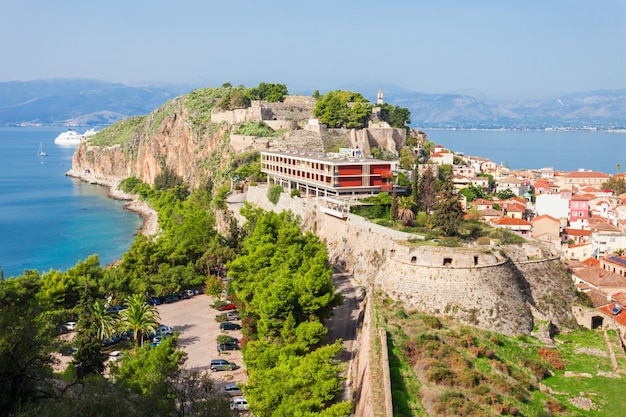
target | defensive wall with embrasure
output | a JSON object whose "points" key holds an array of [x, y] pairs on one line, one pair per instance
{"points": [[496, 288]]}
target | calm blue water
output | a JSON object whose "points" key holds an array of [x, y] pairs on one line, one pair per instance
{"points": [[562, 150], [48, 220]]}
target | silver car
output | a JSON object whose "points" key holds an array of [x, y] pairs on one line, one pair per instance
{"points": [[233, 390]]}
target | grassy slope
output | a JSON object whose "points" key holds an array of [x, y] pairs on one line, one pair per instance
{"points": [[439, 367]]}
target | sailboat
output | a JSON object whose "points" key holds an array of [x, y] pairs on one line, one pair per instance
{"points": [[40, 152]]}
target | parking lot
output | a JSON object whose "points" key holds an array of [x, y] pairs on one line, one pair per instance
{"points": [[194, 319]]}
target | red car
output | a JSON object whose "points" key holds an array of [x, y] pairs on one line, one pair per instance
{"points": [[227, 307]]}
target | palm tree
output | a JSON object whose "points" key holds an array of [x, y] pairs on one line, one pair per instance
{"points": [[139, 317], [105, 320], [405, 210]]}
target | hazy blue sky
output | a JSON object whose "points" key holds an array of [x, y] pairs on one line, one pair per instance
{"points": [[500, 48]]}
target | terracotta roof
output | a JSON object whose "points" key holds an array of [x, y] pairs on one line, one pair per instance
{"points": [[592, 262], [600, 277], [546, 217], [576, 232], [620, 317], [585, 174], [509, 221], [598, 298], [482, 201], [491, 213]]}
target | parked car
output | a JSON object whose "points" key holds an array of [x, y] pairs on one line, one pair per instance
{"points": [[70, 325], [229, 325], [172, 298], [233, 390], [239, 404], [226, 307], [222, 365], [166, 330], [227, 346], [155, 301], [115, 356], [115, 309], [232, 316], [189, 293]]}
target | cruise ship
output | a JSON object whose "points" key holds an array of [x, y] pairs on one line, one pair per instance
{"points": [[72, 137]]}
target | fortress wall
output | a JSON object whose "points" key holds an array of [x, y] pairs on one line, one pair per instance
{"points": [[281, 124], [243, 142], [488, 294]]}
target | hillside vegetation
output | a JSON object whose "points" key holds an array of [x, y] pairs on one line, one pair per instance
{"points": [[442, 368]]}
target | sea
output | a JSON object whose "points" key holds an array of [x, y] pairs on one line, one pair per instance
{"points": [[48, 220], [51, 221]]}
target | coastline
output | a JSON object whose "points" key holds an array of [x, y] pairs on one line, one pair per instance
{"points": [[150, 225]]}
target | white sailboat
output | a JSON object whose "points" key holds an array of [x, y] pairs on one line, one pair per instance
{"points": [[40, 152]]}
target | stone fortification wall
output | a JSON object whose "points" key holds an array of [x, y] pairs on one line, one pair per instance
{"points": [[265, 111], [478, 286], [242, 143], [281, 124]]}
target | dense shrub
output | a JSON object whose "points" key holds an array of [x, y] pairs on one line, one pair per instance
{"points": [[273, 194]]}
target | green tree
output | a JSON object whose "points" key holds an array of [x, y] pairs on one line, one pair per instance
{"points": [[139, 317], [27, 340], [343, 109], [505, 194], [269, 92], [150, 373], [617, 184], [393, 211], [399, 117], [88, 340], [273, 193], [427, 190], [405, 210], [448, 213]]}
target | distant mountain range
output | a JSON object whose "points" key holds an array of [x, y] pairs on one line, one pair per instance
{"points": [[82, 102]]}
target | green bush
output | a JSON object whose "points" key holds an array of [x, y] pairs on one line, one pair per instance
{"points": [[295, 193], [273, 194]]}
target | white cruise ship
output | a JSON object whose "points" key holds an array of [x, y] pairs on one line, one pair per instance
{"points": [[72, 137]]}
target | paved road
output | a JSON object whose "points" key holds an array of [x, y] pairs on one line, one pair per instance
{"points": [[343, 325]]}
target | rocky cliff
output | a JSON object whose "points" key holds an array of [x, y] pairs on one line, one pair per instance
{"points": [[167, 139]]}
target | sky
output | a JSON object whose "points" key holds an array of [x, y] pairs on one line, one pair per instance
{"points": [[500, 49]]}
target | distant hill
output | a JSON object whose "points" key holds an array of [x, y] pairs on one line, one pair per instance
{"points": [[76, 102], [81, 102]]}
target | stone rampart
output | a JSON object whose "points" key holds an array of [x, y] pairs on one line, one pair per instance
{"points": [[478, 286]]}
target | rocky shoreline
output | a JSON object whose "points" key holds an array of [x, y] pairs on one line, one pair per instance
{"points": [[150, 225]]}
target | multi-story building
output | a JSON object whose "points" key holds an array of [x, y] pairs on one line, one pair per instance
{"points": [[328, 175]]}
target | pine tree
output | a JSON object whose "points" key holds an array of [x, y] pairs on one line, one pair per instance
{"points": [[393, 211], [448, 213], [427, 190], [88, 357]]}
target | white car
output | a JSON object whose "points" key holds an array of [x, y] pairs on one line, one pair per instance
{"points": [[239, 403], [115, 356], [166, 330], [70, 325]]}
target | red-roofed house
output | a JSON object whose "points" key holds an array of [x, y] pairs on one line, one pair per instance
{"points": [[442, 158], [482, 204], [546, 228], [519, 226], [582, 178], [579, 213], [577, 236], [600, 279], [517, 186], [578, 251]]}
